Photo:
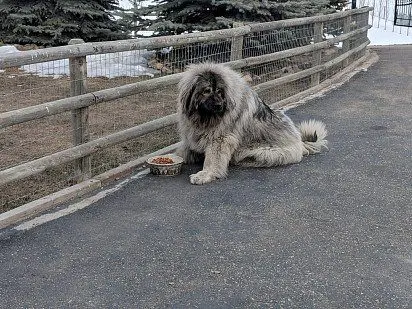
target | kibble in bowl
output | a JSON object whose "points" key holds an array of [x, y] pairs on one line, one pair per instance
{"points": [[165, 165]]}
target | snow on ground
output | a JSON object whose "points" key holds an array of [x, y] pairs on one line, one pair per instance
{"points": [[381, 18], [384, 33], [380, 36], [128, 63]]}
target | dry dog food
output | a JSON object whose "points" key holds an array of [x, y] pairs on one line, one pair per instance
{"points": [[162, 160]]}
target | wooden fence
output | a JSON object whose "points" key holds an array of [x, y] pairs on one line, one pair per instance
{"points": [[351, 40]]}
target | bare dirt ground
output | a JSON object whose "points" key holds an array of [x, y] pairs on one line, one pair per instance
{"points": [[35, 139]]}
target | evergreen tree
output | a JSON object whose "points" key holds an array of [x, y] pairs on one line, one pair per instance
{"points": [[338, 4], [178, 16], [126, 18], [55, 22]]}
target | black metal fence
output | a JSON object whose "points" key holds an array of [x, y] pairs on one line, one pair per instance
{"points": [[403, 13]]}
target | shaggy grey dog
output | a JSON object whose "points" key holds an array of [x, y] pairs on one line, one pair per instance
{"points": [[222, 120]]}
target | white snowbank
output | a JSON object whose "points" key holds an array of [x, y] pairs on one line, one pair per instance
{"points": [[380, 36], [8, 49], [384, 33], [129, 63]]}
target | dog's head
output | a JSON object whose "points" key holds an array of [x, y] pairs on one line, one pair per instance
{"points": [[203, 94], [208, 97]]}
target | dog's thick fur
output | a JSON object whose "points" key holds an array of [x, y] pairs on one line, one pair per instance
{"points": [[222, 120]]}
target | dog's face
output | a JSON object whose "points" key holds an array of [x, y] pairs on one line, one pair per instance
{"points": [[207, 98]]}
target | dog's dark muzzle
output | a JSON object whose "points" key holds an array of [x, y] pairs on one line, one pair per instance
{"points": [[211, 106]]}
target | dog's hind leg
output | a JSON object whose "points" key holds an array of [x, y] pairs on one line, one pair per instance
{"points": [[268, 156]]}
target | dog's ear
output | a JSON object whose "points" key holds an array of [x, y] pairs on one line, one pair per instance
{"points": [[187, 89], [190, 101]]}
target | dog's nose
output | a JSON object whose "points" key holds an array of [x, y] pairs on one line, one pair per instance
{"points": [[217, 106], [220, 108]]}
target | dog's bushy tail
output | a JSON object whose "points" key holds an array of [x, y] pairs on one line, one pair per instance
{"points": [[313, 135]]}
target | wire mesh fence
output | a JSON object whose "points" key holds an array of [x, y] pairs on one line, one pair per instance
{"points": [[32, 84], [270, 41], [175, 59]]}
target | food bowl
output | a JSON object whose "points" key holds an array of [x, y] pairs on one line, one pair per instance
{"points": [[165, 165]]}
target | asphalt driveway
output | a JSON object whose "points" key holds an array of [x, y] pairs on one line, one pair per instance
{"points": [[334, 231]]}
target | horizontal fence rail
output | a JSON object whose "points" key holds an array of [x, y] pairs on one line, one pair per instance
{"points": [[39, 165], [327, 44]]}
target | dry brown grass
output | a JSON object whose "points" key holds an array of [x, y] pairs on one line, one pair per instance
{"points": [[35, 139]]}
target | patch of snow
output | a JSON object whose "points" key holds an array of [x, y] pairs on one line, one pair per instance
{"points": [[128, 63], [126, 4], [145, 32], [380, 36], [330, 36], [385, 33], [8, 49]]}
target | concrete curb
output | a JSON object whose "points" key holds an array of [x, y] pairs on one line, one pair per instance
{"points": [[36, 207]]}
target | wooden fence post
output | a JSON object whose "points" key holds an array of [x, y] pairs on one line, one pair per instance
{"points": [[80, 117], [346, 43], [364, 21], [317, 55], [236, 51]]}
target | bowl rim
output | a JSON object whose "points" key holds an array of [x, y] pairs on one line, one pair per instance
{"points": [[176, 160]]}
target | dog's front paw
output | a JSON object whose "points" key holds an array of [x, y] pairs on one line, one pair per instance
{"points": [[201, 178]]}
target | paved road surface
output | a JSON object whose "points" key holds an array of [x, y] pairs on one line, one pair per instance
{"points": [[334, 231]]}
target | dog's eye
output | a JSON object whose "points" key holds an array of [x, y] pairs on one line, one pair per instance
{"points": [[219, 92], [207, 91]]}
